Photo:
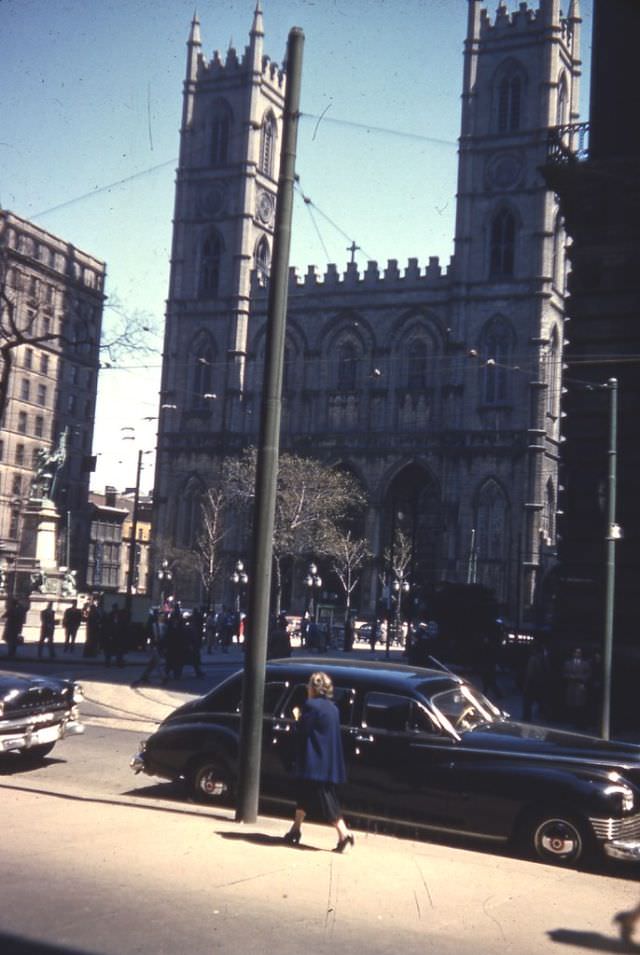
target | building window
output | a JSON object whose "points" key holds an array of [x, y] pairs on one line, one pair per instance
{"points": [[210, 265], [267, 145], [347, 367], [502, 245], [16, 485], [20, 455], [417, 366], [1, 449], [71, 404], [558, 259], [202, 359], [509, 103], [25, 389], [22, 422], [497, 343], [14, 524], [38, 426], [42, 395], [46, 325], [220, 126], [35, 458], [263, 260], [44, 364], [28, 358]]}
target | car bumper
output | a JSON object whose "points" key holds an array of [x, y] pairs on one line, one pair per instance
{"points": [[136, 763], [626, 849], [31, 736]]}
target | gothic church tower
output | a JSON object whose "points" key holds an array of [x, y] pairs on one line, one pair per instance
{"points": [[223, 228], [521, 74]]}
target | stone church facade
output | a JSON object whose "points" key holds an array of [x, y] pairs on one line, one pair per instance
{"points": [[437, 386]]}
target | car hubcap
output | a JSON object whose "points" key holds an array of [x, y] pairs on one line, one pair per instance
{"points": [[211, 785], [558, 838]]}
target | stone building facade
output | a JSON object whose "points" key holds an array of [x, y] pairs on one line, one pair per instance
{"points": [[437, 386], [52, 305]]}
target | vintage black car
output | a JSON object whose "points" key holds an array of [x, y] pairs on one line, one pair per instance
{"points": [[35, 712], [424, 749]]}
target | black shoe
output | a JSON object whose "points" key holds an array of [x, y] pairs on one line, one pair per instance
{"points": [[292, 838], [344, 844]]}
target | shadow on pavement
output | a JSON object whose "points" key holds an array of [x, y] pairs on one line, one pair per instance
{"points": [[263, 839], [591, 940], [14, 945]]}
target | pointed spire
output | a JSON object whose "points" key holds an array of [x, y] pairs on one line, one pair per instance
{"points": [[194, 35], [194, 48], [256, 38], [257, 27]]}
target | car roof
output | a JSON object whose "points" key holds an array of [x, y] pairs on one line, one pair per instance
{"points": [[393, 677]]}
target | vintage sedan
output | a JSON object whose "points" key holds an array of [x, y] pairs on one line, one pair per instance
{"points": [[424, 749], [36, 712]]}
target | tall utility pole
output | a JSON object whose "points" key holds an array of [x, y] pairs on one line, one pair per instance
{"points": [[268, 448], [132, 541], [613, 535]]}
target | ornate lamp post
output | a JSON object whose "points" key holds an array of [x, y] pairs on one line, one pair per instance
{"points": [[313, 583], [239, 579], [165, 577], [399, 587]]}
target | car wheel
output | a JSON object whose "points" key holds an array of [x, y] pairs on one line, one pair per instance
{"points": [[559, 838], [210, 781], [37, 752]]}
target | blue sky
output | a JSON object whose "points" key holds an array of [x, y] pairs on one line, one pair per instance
{"points": [[92, 96]]}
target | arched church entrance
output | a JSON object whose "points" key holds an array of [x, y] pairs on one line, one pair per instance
{"points": [[412, 518]]}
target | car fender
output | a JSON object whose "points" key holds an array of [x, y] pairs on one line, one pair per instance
{"points": [[194, 740]]}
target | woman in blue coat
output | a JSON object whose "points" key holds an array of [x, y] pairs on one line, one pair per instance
{"points": [[320, 762]]}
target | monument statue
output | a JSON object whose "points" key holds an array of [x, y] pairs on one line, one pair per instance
{"points": [[48, 465]]}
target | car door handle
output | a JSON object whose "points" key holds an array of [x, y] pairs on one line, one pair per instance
{"points": [[363, 738], [282, 727]]}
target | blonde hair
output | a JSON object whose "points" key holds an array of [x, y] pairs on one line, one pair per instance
{"points": [[321, 684]]}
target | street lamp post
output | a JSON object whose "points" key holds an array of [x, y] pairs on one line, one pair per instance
{"points": [[399, 587], [165, 577], [239, 579], [313, 583]]}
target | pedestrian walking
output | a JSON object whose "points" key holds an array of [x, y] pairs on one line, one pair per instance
{"points": [[279, 641], [193, 640], [319, 762], [212, 631], [536, 688], [176, 651], [71, 620], [47, 630], [14, 617], [156, 640], [94, 618], [577, 672], [113, 635]]}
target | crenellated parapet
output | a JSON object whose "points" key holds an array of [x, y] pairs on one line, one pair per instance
{"points": [[392, 278], [509, 22], [231, 65]]}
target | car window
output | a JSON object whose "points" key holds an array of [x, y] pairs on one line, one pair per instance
{"points": [[391, 711], [227, 698], [343, 698]]}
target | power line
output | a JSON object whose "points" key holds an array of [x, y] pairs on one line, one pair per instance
{"points": [[383, 130]]}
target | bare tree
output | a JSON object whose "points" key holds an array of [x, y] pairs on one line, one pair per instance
{"points": [[348, 557], [212, 533], [122, 332], [312, 501]]}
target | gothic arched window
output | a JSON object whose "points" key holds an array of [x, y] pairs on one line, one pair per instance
{"points": [[417, 366], [561, 102], [491, 522], [263, 260], [496, 347], [210, 265], [267, 145], [220, 127], [502, 238], [201, 361], [548, 519], [553, 376], [347, 367], [558, 262], [190, 514], [510, 103]]}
